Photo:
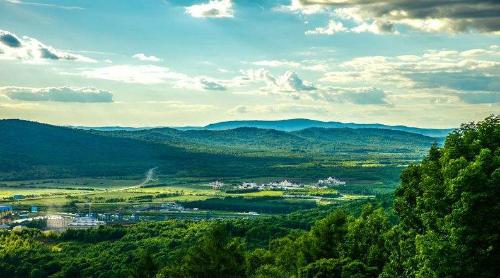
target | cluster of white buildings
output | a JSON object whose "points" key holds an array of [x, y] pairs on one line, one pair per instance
{"points": [[62, 222], [283, 185], [248, 185], [172, 206], [330, 181], [280, 185]]}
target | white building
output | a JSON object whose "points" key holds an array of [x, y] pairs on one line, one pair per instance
{"points": [[216, 185], [58, 222], [330, 181], [85, 223], [248, 185], [285, 184]]}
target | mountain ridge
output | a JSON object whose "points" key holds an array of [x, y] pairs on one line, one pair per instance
{"points": [[284, 125]]}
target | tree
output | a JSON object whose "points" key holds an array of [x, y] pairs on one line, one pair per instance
{"points": [[217, 254], [451, 203]]}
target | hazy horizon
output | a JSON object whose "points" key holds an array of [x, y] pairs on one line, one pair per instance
{"points": [[229, 120]]}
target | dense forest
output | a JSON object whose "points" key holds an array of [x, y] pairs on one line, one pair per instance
{"points": [[442, 221]]}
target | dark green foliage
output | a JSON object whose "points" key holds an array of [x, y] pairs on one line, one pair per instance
{"points": [[103, 233], [449, 207], [260, 204]]}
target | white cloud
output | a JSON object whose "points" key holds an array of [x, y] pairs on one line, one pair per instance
{"points": [[359, 96], [288, 82], [212, 9], [276, 63], [465, 74], [144, 57], [29, 49], [375, 27], [332, 28], [57, 94], [310, 65], [151, 74], [200, 83], [296, 6], [141, 74], [427, 16]]}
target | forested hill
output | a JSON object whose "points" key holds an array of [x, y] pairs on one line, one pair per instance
{"points": [[33, 150], [299, 124], [307, 142]]}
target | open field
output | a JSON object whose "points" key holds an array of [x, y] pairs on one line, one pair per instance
{"points": [[194, 194]]}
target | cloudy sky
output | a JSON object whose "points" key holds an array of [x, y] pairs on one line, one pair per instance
{"points": [[150, 63]]}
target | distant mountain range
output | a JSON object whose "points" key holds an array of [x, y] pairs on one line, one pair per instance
{"points": [[289, 125], [299, 124]]}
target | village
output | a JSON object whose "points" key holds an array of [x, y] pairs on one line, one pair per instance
{"points": [[15, 213], [11, 218], [280, 185]]}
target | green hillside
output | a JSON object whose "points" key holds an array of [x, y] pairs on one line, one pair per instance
{"points": [[30, 150], [308, 142]]}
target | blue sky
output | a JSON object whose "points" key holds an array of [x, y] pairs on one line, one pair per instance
{"points": [[150, 63]]}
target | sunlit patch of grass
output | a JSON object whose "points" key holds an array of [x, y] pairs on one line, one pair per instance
{"points": [[266, 193]]}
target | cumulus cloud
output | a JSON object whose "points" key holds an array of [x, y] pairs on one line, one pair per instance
{"points": [[466, 74], [332, 28], [151, 74], [212, 9], [296, 6], [140, 74], [58, 94], [144, 57], [211, 85], [30, 49], [359, 96], [376, 27], [288, 82], [430, 16]]}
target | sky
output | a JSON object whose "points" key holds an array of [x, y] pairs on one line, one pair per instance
{"points": [[176, 63]]}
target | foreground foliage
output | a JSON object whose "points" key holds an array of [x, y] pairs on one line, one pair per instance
{"points": [[447, 208]]}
